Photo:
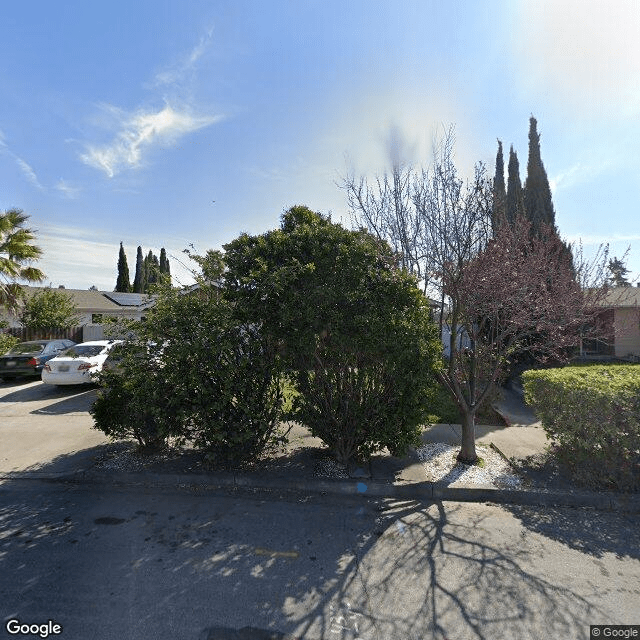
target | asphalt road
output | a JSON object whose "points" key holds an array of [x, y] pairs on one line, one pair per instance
{"points": [[40, 424], [138, 563], [108, 563]]}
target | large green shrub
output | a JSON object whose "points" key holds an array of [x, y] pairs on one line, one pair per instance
{"points": [[49, 309], [592, 416], [136, 399], [354, 330], [198, 375]]}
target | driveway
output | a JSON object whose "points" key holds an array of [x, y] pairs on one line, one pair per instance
{"points": [[39, 423]]}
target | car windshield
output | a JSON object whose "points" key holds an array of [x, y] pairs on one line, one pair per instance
{"points": [[84, 350], [28, 347]]}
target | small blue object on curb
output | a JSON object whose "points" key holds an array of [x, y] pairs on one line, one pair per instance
{"points": [[362, 487]]}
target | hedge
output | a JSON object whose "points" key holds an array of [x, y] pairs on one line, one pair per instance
{"points": [[592, 416]]}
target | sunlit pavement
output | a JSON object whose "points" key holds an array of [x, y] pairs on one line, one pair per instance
{"points": [[123, 563]]}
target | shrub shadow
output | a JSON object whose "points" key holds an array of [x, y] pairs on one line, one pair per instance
{"points": [[75, 399]]}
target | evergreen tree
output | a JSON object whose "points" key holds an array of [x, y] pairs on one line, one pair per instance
{"points": [[139, 280], [499, 212], [515, 199], [165, 272], [123, 284], [151, 270], [537, 193], [618, 270]]}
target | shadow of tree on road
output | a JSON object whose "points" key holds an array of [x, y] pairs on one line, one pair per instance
{"points": [[443, 573], [586, 530], [141, 562]]}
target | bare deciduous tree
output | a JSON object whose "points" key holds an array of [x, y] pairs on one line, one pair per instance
{"points": [[497, 291], [385, 207], [520, 292]]}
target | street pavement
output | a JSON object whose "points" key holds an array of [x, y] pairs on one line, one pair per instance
{"points": [[279, 552], [132, 563]]}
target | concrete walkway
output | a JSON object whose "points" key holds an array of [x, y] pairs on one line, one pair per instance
{"points": [[523, 436]]}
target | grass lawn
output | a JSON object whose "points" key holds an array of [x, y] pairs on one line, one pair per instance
{"points": [[445, 411]]}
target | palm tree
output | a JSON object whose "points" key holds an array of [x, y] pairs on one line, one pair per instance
{"points": [[16, 255]]}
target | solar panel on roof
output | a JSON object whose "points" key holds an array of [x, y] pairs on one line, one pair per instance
{"points": [[128, 299]]}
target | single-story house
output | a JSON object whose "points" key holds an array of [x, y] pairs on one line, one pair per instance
{"points": [[621, 317], [94, 306]]}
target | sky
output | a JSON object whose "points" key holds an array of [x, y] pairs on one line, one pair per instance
{"points": [[170, 123]]}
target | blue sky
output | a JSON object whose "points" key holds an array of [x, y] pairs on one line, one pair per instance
{"points": [[125, 121]]}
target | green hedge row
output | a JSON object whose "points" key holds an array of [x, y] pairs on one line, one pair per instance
{"points": [[592, 416]]}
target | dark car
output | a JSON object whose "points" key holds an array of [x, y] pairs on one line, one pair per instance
{"points": [[28, 358]]}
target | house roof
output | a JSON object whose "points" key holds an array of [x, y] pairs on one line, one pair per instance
{"points": [[90, 300], [621, 297]]}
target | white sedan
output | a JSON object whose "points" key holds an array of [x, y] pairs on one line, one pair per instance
{"points": [[78, 364]]}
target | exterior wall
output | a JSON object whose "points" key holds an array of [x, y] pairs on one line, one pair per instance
{"points": [[627, 332], [463, 339], [84, 317], [605, 345]]}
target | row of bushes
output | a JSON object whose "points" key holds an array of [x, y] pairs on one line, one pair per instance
{"points": [[311, 307], [592, 416]]}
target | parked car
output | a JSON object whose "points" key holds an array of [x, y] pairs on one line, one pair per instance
{"points": [[78, 364], [149, 353], [28, 358], [113, 360]]}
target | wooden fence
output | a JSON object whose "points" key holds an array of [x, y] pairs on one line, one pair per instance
{"points": [[23, 334]]}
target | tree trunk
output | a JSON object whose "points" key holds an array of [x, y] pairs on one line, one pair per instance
{"points": [[467, 453]]}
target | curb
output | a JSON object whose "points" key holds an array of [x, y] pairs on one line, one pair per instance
{"points": [[424, 491]]}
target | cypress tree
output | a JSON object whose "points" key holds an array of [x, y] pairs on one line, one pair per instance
{"points": [[139, 281], [499, 212], [537, 193], [151, 270], [619, 271], [515, 200], [165, 273], [122, 283]]}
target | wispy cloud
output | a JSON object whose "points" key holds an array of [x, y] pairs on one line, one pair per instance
{"points": [[67, 190], [136, 133], [139, 133], [26, 169], [72, 256], [603, 238], [28, 172], [579, 172], [178, 71]]}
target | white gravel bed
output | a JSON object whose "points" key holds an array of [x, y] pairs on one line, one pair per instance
{"points": [[440, 464]]}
